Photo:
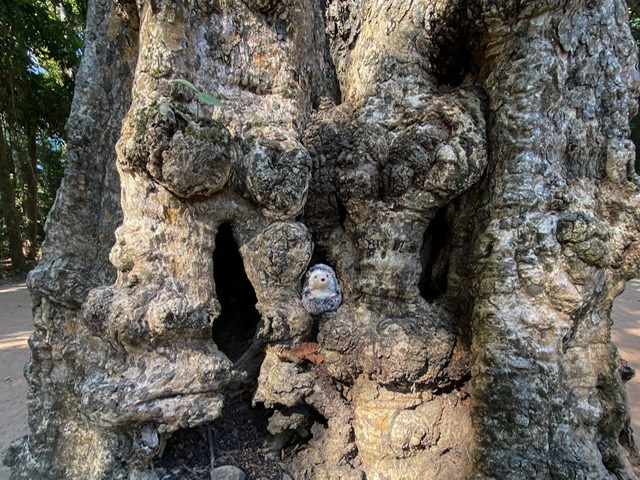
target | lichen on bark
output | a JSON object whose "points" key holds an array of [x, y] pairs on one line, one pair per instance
{"points": [[463, 165]]}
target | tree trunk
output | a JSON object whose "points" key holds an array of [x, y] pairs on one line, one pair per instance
{"points": [[31, 201], [463, 165], [9, 208]]}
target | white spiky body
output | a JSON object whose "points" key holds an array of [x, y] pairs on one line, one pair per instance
{"points": [[321, 292]]}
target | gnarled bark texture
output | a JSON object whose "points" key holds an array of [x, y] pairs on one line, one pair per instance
{"points": [[463, 165]]}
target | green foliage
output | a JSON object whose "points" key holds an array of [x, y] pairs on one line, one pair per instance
{"points": [[186, 83], [635, 27], [634, 22], [208, 99], [41, 48], [41, 42], [200, 96], [52, 158], [634, 18]]}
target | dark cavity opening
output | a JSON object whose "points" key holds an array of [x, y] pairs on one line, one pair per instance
{"points": [[452, 49], [319, 255], [434, 257], [235, 328]]}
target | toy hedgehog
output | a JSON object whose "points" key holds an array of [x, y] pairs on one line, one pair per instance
{"points": [[321, 292]]}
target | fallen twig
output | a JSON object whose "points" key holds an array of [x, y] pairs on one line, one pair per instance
{"points": [[212, 458]]}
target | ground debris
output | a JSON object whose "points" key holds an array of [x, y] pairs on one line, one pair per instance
{"points": [[238, 436]]}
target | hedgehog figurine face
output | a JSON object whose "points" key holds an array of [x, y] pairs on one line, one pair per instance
{"points": [[321, 292]]}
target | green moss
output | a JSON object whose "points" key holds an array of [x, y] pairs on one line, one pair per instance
{"points": [[212, 130], [288, 91], [256, 122], [160, 72], [141, 119], [206, 130], [542, 393]]}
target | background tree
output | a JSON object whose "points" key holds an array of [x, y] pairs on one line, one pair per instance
{"points": [[41, 50], [464, 165]]}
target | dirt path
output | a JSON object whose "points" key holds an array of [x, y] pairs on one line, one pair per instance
{"points": [[626, 335], [16, 326]]}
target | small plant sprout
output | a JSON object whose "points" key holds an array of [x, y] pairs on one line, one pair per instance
{"points": [[200, 96]]}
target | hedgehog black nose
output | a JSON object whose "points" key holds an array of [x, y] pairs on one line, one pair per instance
{"points": [[322, 279]]}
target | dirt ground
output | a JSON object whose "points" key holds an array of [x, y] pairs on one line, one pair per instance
{"points": [[626, 335], [16, 326]]}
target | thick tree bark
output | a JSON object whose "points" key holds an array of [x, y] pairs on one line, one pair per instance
{"points": [[465, 167], [9, 208]]}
